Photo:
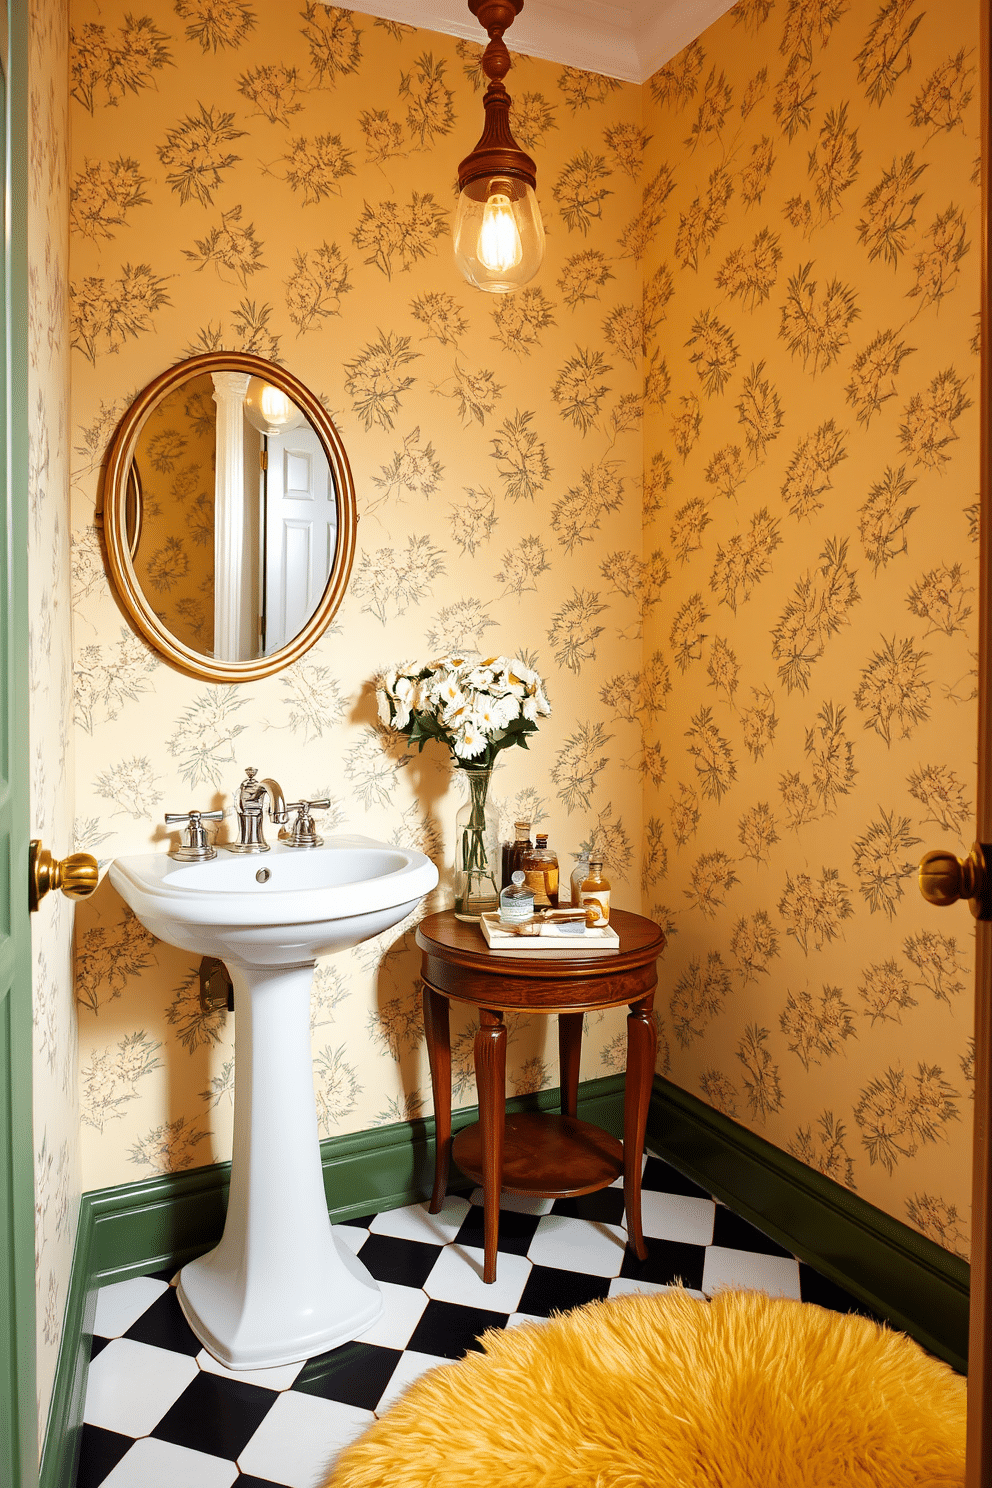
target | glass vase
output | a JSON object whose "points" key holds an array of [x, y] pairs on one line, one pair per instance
{"points": [[476, 847]]}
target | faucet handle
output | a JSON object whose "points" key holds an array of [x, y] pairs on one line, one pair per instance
{"points": [[304, 833], [249, 784], [194, 847]]}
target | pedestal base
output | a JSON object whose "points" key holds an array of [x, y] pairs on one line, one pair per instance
{"points": [[297, 1317], [280, 1287]]}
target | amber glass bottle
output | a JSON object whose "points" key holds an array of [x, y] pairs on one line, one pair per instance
{"points": [[514, 851], [540, 865], [595, 895]]}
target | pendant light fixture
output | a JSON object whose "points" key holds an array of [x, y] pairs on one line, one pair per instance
{"points": [[499, 235]]}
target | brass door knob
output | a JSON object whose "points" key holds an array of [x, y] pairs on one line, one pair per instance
{"points": [[77, 875], [944, 879]]}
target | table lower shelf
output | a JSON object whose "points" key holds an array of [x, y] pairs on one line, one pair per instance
{"points": [[550, 1156]]}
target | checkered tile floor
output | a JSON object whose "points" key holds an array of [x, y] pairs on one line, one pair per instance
{"points": [[160, 1412]]}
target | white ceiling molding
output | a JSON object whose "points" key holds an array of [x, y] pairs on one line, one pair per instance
{"points": [[626, 39]]}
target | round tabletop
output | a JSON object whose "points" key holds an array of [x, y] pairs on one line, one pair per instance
{"points": [[458, 962]]}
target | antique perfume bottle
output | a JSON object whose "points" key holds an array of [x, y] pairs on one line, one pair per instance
{"points": [[516, 902], [595, 895], [513, 851], [540, 866]]}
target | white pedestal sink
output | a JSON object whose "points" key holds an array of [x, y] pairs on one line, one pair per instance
{"points": [[279, 1287]]}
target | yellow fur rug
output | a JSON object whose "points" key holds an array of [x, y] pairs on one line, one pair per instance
{"points": [[665, 1391]]}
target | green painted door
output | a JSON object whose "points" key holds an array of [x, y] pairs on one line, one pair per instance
{"points": [[18, 1410]]}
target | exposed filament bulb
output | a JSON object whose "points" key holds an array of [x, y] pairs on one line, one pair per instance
{"points": [[499, 239]]}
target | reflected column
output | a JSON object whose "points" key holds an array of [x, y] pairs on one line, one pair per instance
{"points": [[231, 643]]}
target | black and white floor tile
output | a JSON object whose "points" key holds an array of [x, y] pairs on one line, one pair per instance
{"points": [[160, 1412]]}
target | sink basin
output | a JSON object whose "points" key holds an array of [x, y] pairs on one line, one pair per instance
{"points": [[280, 1287], [313, 901]]}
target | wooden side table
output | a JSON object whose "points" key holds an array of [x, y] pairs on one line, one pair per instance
{"points": [[542, 1154]]}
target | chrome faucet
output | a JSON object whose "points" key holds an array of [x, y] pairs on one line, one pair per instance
{"points": [[249, 803]]}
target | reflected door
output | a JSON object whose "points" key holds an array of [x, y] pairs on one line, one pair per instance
{"points": [[300, 532]]}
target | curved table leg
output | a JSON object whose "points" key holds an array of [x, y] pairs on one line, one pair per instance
{"points": [[490, 1076], [439, 1054], [642, 1043], [569, 1054]]}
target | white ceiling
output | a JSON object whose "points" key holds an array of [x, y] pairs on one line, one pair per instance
{"points": [[628, 39]]}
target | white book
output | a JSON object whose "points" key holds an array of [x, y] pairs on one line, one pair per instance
{"points": [[551, 941]]}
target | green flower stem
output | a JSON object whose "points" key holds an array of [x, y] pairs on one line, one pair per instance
{"points": [[479, 885]]}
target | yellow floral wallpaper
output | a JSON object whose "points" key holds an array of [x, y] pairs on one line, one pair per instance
{"points": [[56, 1106], [714, 474], [811, 274], [281, 179]]}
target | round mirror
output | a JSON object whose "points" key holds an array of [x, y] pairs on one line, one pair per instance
{"points": [[229, 517]]}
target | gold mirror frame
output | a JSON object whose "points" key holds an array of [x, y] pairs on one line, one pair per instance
{"points": [[133, 498], [112, 508]]}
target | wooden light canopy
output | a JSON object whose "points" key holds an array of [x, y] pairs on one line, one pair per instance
{"points": [[499, 235]]}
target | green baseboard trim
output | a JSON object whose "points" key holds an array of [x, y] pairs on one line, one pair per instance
{"points": [[920, 1287], [133, 1228], [141, 1227], [60, 1453]]}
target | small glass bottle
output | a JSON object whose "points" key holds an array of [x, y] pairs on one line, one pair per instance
{"points": [[516, 902], [595, 896], [513, 851], [540, 865], [579, 875]]}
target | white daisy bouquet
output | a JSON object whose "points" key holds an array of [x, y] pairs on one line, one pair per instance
{"points": [[476, 708]]}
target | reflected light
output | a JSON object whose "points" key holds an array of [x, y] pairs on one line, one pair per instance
{"points": [[269, 410], [276, 407]]}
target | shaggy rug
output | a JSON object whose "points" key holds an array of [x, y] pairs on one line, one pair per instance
{"points": [[666, 1391]]}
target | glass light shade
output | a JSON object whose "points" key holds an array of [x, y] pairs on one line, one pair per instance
{"points": [[499, 235], [269, 410]]}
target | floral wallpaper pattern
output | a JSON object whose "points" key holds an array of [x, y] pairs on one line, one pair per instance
{"points": [[713, 474], [56, 1157], [174, 552], [280, 179], [811, 473]]}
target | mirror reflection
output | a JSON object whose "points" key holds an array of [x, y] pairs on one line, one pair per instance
{"points": [[232, 519]]}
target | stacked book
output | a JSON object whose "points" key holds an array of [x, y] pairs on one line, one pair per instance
{"points": [[563, 938]]}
